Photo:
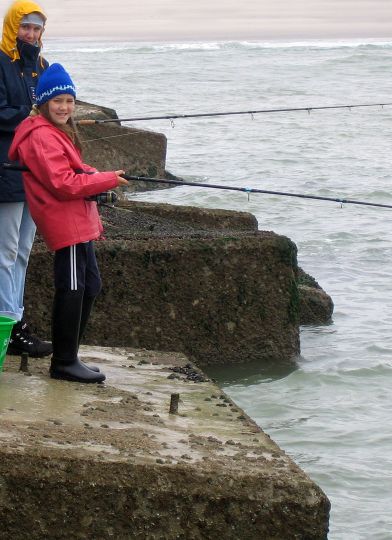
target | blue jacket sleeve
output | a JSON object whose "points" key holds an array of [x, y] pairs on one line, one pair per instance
{"points": [[10, 115]]}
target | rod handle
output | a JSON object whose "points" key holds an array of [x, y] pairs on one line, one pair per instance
{"points": [[86, 122]]}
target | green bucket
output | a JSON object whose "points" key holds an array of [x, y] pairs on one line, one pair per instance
{"points": [[6, 325]]}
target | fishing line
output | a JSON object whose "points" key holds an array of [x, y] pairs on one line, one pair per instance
{"points": [[172, 117]]}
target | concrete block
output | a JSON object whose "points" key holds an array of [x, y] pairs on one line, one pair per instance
{"points": [[110, 461]]}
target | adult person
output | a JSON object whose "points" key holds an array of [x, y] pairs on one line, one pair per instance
{"points": [[21, 65], [58, 186]]}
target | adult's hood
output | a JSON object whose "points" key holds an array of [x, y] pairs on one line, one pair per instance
{"points": [[11, 25]]}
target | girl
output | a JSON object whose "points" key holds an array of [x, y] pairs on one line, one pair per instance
{"points": [[57, 186]]}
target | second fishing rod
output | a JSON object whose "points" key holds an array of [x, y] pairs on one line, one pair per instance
{"points": [[250, 112]]}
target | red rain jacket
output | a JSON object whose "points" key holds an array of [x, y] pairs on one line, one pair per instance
{"points": [[56, 194]]}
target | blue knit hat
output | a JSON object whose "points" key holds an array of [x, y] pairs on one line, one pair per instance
{"points": [[53, 82]]}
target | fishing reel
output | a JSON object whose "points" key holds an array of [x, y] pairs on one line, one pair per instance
{"points": [[107, 197]]}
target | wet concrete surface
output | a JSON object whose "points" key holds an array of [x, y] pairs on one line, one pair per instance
{"points": [[135, 397], [125, 422]]}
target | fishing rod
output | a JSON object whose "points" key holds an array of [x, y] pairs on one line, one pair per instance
{"points": [[107, 197], [229, 113], [249, 190]]}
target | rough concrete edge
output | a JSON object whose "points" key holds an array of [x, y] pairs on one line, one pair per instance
{"points": [[215, 218]]}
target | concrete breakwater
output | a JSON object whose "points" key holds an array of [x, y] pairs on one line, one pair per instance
{"points": [[203, 282], [111, 461]]}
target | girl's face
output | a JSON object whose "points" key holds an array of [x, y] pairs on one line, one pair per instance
{"points": [[61, 108]]}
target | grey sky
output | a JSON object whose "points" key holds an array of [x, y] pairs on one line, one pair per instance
{"points": [[217, 19]]}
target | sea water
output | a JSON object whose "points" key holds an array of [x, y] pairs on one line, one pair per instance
{"points": [[331, 411]]}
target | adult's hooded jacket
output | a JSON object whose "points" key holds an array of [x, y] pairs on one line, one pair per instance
{"points": [[56, 193], [20, 67]]}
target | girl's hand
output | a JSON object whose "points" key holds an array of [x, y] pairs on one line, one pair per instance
{"points": [[121, 181]]}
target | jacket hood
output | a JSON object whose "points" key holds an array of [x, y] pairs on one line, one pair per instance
{"points": [[11, 25], [24, 129]]}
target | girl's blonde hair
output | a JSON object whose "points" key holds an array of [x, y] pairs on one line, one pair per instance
{"points": [[69, 128]]}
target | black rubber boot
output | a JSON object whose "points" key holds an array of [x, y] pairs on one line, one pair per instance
{"points": [[88, 302], [87, 306], [65, 364]]}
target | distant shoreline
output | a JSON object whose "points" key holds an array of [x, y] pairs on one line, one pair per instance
{"points": [[222, 20]]}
